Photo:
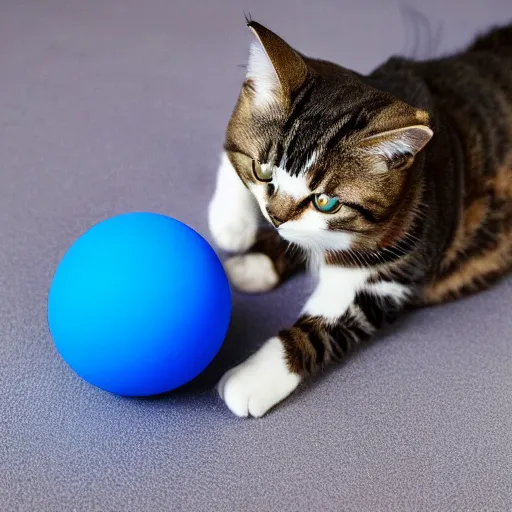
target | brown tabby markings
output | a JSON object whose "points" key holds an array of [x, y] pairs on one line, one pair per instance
{"points": [[437, 222], [503, 181], [473, 92], [484, 267], [473, 275]]}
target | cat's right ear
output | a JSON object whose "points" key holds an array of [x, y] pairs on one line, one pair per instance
{"points": [[275, 70], [399, 147]]}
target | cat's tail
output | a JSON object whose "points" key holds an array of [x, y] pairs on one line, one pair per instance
{"points": [[498, 40]]}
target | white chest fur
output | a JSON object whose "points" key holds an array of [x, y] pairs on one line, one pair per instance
{"points": [[336, 290]]}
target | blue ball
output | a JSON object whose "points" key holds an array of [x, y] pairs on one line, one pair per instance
{"points": [[139, 305]]}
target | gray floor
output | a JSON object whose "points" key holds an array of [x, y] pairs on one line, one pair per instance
{"points": [[113, 106]]}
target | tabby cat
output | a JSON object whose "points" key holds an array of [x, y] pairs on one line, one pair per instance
{"points": [[396, 187]]}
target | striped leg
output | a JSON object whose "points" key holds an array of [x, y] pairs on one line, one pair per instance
{"points": [[346, 307], [269, 262]]}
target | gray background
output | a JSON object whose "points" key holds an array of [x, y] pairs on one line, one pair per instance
{"points": [[113, 106]]}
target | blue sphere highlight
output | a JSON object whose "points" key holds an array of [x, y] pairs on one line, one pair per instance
{"points": [[139, 305]]}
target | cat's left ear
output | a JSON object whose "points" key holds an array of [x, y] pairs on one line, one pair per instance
{"points": [[275, 70], [400, 146]]}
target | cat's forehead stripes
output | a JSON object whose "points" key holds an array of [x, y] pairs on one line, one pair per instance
{"points": [[311, 161], [294, 185]]}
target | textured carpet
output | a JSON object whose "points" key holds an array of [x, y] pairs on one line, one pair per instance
{"points": [[120, 105]]}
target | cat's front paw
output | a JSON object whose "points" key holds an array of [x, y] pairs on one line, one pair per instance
{"points": [[259, 383], [233, 225], [252, 273]]}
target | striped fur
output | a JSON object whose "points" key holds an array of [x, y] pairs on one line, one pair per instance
{"points": [[418, 156]]}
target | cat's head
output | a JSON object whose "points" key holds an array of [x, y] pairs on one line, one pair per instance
{"points": [[330, 159]]}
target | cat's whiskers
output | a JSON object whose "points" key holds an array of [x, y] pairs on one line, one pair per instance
{"points": [[358, 258], [410, 236], [394, 252]]}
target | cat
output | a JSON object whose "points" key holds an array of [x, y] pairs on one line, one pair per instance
{"points": [[396, 187]]}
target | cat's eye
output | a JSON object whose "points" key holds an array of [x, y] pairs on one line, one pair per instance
{"points": [[325, 203], [262, 172]]}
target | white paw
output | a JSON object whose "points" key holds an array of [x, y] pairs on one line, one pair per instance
{"points": [[252, 273], [233, 215], [259, 383], [232, 228]]}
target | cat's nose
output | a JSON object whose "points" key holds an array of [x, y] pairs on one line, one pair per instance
{"points": [[274, 218]]}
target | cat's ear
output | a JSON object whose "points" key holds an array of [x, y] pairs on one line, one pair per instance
{"points": [[275, 70], [399, 146]]}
